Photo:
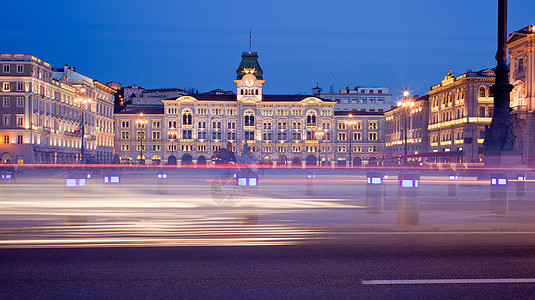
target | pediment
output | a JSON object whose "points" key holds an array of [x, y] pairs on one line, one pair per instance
{"points": [[311, 100], [249, 100], [186, 99]]}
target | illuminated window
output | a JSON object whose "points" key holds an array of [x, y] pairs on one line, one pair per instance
{"points": [[5, 87], [482, 92]]}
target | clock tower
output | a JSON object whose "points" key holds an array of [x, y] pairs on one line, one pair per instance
{"points": [[249, 78]]}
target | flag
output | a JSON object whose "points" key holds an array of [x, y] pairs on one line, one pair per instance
{"points": [[79, 129]]}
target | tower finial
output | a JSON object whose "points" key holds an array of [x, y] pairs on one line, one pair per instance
{"points": [[250, 38]]}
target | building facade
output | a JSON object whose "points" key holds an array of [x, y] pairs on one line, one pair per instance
{"points": [[459, 109], [521, 45], [407, 134], [294, 130], [367, 99], [41, 119]]}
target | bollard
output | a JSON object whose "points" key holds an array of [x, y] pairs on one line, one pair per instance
{"points": [[248, 182], [408, 199], [311, 183], [161, 179], [7, 180], [111, 184], [521, 185], [498, 194], [75, 186], [453, 185], [374, 193]]}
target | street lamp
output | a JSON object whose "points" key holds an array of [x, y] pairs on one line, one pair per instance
{"points": [[406, 103], [350, 122], [172, 136], [319, 135], [83, 101], [141, 124]]}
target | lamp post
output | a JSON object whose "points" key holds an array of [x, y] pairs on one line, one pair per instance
{"points": [[141, 124], [406, 103], [350, 122], [172, 136], [83, 101], [319, 135]]}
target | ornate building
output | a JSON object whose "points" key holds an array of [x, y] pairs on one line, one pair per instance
{"points": [[521, 45], [281, 129], [41, 117], [459, 109]]}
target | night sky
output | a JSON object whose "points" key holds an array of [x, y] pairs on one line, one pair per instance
{"points": [[197, 44]]}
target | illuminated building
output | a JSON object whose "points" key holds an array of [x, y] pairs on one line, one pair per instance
{"points": [[40, 119], [410, 121], [459, 109], [281, 129], [521, 45]]}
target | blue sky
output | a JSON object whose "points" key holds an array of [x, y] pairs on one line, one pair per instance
{"points": [[197, 44]]}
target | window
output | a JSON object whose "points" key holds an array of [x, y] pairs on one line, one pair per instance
{"points": [[341, 136], [20, 86], [20, 121], [155, 124], [6, 121], [20, 102], [216, 111], [6, 102], [125, 124], [140, 135], [6, 68], [155, 135], [6, 139], [231, 136], [521, 65], [201, 135], [372, 125], [357, 136], [172, 124], [372, 148], [20, 68], [341, 125], [481, 111], [202, 124], [201, 111], [20, 139], [249, 135], [187, 117], [125, 147], [311, 118], [156, 148], [482, 92], [372, 136], [216, 125], [186, 134], [249, 118], [139, 148], [231, 125]]}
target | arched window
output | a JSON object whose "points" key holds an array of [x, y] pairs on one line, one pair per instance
{"points": [[482, 92], [311, 118], [187, 117], [249, 118]]}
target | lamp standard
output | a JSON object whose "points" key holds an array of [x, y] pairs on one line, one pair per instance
{"points": [[83, 101], [350, 122], [319, 135], [172, 136], [141, 122], [406, 103]]}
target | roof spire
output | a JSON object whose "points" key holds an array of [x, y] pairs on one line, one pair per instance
{"points": [[250, 38]]}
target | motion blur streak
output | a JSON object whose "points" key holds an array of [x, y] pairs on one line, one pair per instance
{"points": [[205, 206]]}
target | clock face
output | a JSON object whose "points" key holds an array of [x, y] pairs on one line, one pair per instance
{"points": [[249, 82]]}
